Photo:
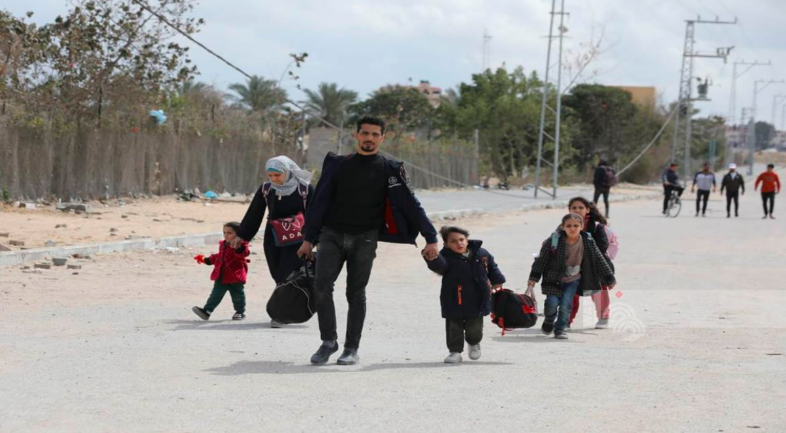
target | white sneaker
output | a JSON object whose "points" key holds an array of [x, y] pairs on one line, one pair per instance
{"points": [[474, 352], [275, 324], [453, 358], [602, 324]]}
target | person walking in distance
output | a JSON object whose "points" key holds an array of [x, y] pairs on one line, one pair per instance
{"points": [[671, 182], [733, 183], [360, 199], [770, 185], [603, 180], [705, 180]]}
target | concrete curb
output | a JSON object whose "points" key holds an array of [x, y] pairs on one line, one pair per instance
{"points": [[562, 204], [11, 258]]}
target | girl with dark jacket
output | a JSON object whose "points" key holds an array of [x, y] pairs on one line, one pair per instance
{"points": [[568, 264], [469, 274], [286, 195], [594, 224]]}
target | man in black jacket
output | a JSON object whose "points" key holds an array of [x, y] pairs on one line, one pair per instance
{"points": [[603, 179], [671, 182], [733, 183], [360, 199]]}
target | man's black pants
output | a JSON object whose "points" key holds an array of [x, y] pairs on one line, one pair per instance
{"points": [[701, 198], [733, 197], [768, 197], [358, 252]]}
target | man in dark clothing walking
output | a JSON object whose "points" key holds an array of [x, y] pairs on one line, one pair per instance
{"points": [[733, 183], [671, 182], [603, 180], [360, 199], [705, 180]]}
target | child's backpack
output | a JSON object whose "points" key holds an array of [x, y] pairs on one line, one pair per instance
{"points": [[610, 177], [614, 245], [511, 310], [293, 300]]}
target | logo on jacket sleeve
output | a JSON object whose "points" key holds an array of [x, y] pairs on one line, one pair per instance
{"points": [[392, 180], [405, 178]]}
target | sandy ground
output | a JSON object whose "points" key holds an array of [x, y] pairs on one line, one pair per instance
{"points": [[127, 218], [697, 343]]}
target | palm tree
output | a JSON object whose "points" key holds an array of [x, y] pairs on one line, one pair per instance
{"points": [[259, 94], [189, 86], [330, 102]]}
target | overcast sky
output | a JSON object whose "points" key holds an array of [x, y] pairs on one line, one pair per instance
{"points": [[362, 45]]}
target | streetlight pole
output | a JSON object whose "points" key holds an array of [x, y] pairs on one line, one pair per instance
{"points": [[752, 143]]}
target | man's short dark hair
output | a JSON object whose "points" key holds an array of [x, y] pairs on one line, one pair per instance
{"points": [[770, 165], [445, 231], [371, 120], [674, 164]]}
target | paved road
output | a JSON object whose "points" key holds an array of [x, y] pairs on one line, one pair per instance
{"points": [[697, 344]]}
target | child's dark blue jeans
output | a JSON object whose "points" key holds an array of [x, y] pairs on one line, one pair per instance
{"points": [[558, 307]]}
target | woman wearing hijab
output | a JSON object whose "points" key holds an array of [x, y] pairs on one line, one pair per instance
{"points": [[285, 197]]}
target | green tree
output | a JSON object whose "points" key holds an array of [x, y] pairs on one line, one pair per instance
{"points": [[504, 106], [259, 94], [330, 102], [605, 116], [402, 108], [100, 54], [764, 133]]}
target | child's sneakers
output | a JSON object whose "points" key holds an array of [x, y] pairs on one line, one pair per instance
{"points": [[204, 315], [602, 324], [453, 358], [547, 328], [561, 335], [474, 352], [239, 316], [276, 324]]}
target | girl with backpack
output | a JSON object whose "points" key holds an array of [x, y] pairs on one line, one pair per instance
{"points": [[569, 262], [285, 198], [596, 225]]}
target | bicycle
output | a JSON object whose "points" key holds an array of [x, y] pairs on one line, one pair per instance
{"points": [[675, 204]]}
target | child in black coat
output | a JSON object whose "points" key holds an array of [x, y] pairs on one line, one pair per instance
{"points": [[469, 274]]}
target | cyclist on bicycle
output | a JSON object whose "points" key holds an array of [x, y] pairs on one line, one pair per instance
{"points": [[671, 182]]}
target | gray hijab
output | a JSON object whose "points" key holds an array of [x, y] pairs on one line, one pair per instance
{"points": [[293, 175]]}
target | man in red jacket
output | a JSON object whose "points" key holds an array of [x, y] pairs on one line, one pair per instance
{"points": [[770, 185]]}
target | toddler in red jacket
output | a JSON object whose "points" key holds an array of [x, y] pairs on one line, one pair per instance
{"points": [[229, 273]]}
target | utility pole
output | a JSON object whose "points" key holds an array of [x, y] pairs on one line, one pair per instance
{"points": [[486, 50], [544, 101], [775, 100], [783, 118], [686, 88], [734, 75], [475, 171], [752, 143], [562, 31]]}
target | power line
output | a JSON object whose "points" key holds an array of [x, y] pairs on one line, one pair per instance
{"points": [[655, 139]]}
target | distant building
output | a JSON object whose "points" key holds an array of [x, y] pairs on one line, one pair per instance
{"points": [[433, 94], [643, 96]]}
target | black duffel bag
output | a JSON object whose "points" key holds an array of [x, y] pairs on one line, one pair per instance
{"points": [[293, 300]]}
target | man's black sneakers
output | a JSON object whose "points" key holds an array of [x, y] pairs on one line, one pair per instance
{"points": [[323, 353]]}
